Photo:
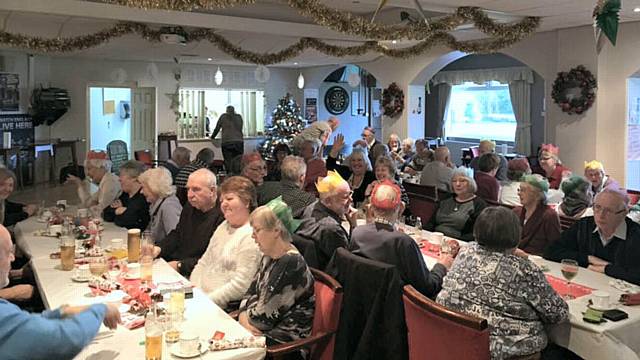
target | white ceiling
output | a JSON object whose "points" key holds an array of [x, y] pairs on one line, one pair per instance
{"points": [[268, 25]]}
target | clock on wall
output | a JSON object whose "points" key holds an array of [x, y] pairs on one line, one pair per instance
{"points": [[336, 100]]}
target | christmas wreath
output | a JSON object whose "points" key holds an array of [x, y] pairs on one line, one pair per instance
{"points": [[574, 91], [392, 100]]}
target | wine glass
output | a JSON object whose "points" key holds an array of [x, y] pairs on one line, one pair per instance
{"points": [[569, 270]]}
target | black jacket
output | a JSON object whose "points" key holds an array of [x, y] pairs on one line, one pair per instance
{"points": [[324, 228], [13, 213], [579, 241], [372, 324], [135, 217]]}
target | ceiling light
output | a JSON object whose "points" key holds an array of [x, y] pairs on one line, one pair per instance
{"points": [[394, 41], [300, 81], [295, 63], [218, 77], [209, 59], [636, 9]]}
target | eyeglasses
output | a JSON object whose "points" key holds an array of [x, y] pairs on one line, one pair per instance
{"points": [[606, 211]]}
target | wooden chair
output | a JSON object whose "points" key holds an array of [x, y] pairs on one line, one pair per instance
{"points": [[566, 222], [326, 318], [424, 190], [422, 206], [438, 333], [145, 157]]}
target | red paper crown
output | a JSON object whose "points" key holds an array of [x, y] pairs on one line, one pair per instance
{"points": [[550, 148], [97, 155], [386, 203]]}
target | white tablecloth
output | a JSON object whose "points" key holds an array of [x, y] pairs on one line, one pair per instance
{"points": [[57, 288], [610, 340]]}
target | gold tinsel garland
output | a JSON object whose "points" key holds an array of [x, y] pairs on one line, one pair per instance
{"points": [[348, 23], [87, 41]]}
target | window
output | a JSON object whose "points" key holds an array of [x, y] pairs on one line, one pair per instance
{"points": [[480, 112], [210, 104]]}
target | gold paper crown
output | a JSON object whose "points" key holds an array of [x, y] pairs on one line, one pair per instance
{"points": [[593, 165], [329, 183]]}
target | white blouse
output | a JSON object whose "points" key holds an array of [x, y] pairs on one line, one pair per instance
{"points": [[227, 268]]}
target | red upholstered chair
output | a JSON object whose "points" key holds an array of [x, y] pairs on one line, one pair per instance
{"points": [[422, 206], [325, 321], [438, 333], [424, 190]]}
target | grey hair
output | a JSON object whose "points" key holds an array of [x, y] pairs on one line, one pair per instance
{"points": [[209, 177], [181, 154], [408, 142], [159, 181], [622, 196], [361, 152], [5, 173], [264, 216], [473, 187], [292, 168], [385, 160], [131, 168], [497, 228], [98, 163], [315, 145], [379, 150]]}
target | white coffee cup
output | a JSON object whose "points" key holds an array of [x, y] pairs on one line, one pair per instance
{"points": [[189, 343], [436, 238], [82, 271], [55, 229], [601, 299], [133, 270]]}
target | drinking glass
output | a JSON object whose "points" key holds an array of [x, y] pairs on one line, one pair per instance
{"points": [[133, 245], [569, 269], [98, 266], [67, 253], [176, 300], [173, 328], [153, 337], [146, 268]]}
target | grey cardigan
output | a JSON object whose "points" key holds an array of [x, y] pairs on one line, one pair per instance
{"points": [[165, 214]]}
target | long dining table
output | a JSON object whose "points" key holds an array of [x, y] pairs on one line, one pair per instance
{"points": [[202, 316], [610, 340]]}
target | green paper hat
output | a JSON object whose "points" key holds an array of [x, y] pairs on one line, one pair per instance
{"points": [[283, 212], [536, 181]]}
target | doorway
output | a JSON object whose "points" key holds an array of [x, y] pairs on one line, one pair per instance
{"points": [[122, 113], [633, 133]]}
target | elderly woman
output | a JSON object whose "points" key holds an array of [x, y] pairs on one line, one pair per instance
{"points": [[225, 270], [551, 166], [594, 172], [394, 143], [10, 212], [577, 199], [359, 173], [540, 223], [385, 169], [512, 293], [516, 169], [422, 156], [98, 169], [280, 151], [165, 207], [131, 210], [280, 301], [455, 216]]}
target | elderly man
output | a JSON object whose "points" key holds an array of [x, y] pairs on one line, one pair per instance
{"points": [[422, 157], [254, 168], [323, 219], [230, 123], [438, 172], [316, 167], [98, 168], [369, 136], [594, 172], [608, 242], [181, 157], [489, 147], [382, 242], [319, 130], [199, 219], [58, 334], [293, 171]]}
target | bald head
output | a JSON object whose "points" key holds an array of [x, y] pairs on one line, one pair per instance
{"points": [[6, 256], [442, 154], [201, 190], [205, 176]]}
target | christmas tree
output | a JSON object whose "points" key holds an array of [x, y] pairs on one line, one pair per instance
{"points": [[287, 122]]}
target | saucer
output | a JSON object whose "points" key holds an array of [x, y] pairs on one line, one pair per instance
{"points": [[175, 350], [597, 308], [80, 279], [131, 277]]}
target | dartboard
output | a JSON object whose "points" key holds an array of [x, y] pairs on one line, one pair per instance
{"points": [[336, 100]]}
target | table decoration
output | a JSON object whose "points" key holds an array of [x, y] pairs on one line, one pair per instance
{"points": [[561, 287]]}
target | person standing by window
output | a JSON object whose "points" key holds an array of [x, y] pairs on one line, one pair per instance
{"points": [[230, 124]]}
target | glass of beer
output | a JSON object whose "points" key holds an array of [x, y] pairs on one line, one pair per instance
{"points": [[153, 337], [133, 245], [176, 300], [173, 329], [146, 268], [117, 249], [98, 266], [67, 252]]}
